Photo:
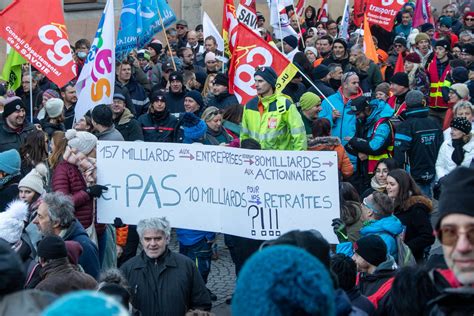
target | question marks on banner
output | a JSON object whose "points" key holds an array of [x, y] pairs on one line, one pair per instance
{"points": [[265, 220]]}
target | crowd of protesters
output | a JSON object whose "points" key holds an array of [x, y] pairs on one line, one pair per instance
{"points": [[405, 153]]}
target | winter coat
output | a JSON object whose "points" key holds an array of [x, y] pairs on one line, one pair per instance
{"points": [[69, 116], [374, 76], [9, 192], [89, 259], [110, 134], [331, 143], [37, 101], [213, 138], [60, 277], [415, 216], [326, 89], [386, 228], [417, 143], [361, 301], [50, 128], [351, 215], [164, 130], [10, 139], [25, 303], [138, 95], [128, 126], [222, 100], [294, 91], [148, 279], [175, 101], [419, 81], [344, 62], [445, 164]]}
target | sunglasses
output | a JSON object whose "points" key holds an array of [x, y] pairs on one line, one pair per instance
{"points": [[211, 115], [469, 19], [449, 235], [369, 206]]}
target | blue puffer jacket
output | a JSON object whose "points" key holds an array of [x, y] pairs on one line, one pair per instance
{"points": [[387, 228], [189, 237]]}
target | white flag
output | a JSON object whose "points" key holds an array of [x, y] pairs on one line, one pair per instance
{"points": [[344, 31], [279, 19], [209, 29], [96, 82]]}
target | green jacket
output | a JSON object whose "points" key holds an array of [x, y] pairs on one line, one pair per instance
{"points": [[280, 127]]}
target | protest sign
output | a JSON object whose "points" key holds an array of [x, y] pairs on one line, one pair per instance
{"points": [[383, 12], [248, 193]]}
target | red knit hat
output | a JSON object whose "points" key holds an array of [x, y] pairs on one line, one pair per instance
{"points": [[413, 57], [469, 14]]}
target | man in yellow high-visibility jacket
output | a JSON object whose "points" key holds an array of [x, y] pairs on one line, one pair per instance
{"points": [[271, 118]]}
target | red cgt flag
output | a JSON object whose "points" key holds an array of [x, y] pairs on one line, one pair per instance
{"points": [[250, 52], [40, 38], [229, 26]]}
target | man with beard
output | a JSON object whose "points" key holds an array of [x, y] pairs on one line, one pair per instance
{"points": [[158, 125], [176, 94], [324, 45], [124, 120], [187, 56], [423, 48], [55, 216], [13, 126], [339, 54], [69, 96]]}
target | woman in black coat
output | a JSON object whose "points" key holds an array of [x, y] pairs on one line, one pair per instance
{"points": [[413, 209]]}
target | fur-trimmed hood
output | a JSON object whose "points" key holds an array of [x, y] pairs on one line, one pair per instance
{"points": [[326, 141], [419, 200]]}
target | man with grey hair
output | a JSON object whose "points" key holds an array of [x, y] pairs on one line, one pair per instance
{"points": [[163, 282], [55, 216]]}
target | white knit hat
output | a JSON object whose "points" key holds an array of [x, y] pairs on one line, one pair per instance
{"points": [[35, 179], [84, 142], [12, 221], [54, 107]]}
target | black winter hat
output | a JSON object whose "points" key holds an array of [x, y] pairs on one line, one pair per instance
{"points": [[52, 247], [11, 105], [426, 27], [359, 104], [468, 48], [401, 79], [12, 277], [157, 47], [176, 75], [221, 79], [460, 74], [158, 96], [443, 43], [320, 72], [196, 96], [372, 249], [291, 40], [340, 41], [457, 193], [400, 40], [461, 124], [268, 74], [102, 114]]}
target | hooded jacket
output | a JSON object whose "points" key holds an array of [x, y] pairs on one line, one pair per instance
{"points": [[128, 126], [386, 228], [331, 143], [415, 216]]}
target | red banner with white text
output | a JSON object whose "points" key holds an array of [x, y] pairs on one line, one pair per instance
{"points": [[383, 12], [251, 52], [37, 31]]}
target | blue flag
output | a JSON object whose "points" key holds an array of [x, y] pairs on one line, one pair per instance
{"points": [[139, 22]]}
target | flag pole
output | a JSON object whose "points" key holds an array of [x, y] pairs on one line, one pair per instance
{"points": [[299, 26], [317, 89], [31, 93], [281, 34], [166, 38]]}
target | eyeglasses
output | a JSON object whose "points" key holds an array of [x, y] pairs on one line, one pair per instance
{"points": [[369, 206], [347, 75], [449, 235]]}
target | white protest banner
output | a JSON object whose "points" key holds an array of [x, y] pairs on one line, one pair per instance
{"points": [[248, 193]]}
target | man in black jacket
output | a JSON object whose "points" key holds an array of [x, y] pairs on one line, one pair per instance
{"points": [[220, 90], [124, 120], [176, 94], [321, 79], [163, 282], [417, 142], [14, 126]]}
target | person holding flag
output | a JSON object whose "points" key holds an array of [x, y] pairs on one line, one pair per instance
{"points": [[270, 118]]}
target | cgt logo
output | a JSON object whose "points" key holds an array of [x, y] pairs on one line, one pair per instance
{"points": [[254, 57], [59, 51]]}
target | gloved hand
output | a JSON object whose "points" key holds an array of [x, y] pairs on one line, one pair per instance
{"points": [[95, 191], [340, 230]]}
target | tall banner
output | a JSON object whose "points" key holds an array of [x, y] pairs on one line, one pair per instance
{"points": [[209, 29], [247, 13], [229, 25], [96, 82], [383, 12], [369, 45], [359, 12], [323, 15], [422, 13], [279, 19], [250, 52], [259, 194], [139, 22], [344, 31], [37, 31], [11, 72]]}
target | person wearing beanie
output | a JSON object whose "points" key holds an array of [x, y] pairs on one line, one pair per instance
{"points": [[290, 46], [310, 106], [210, 62], [399, 87], [193, 103], [270, 113], [15, 125], [54, 118], [10, 175], [48, 94], [306, 289], [456, 93], [176, 94], [412, 151], [457, 151], [445, 31], [215, 134], [467, 53], [321, 79], [461, 109], [221, 98], [437, 71], [102, 120], [125, 78], [423, 48], [417, 77], [124, 121], [58, 275], [311, 54], [32, 186], [339, 54], [399, 47], [382, 91]]}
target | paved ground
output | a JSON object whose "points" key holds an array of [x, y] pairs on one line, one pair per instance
{"points": [[222, 277]]}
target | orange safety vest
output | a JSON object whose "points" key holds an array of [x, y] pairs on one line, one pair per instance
{"points": [[436, 96], [388, 153]]}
